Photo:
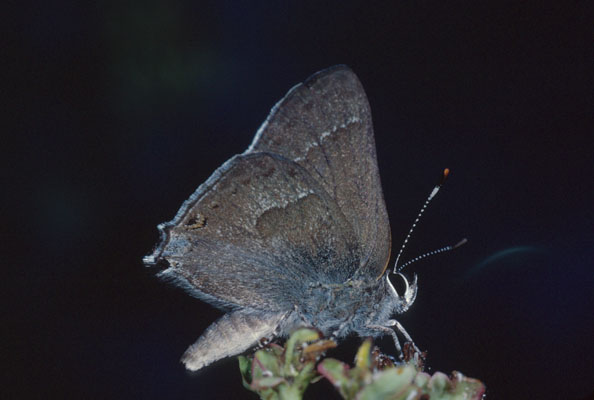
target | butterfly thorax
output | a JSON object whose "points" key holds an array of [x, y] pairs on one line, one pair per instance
{"points": [[349, 307]]}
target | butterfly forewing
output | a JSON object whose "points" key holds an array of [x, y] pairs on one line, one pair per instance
{"points": [[324, 125]]}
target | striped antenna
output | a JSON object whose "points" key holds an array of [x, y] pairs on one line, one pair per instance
{"points": [[446, 172], [432, 253]]}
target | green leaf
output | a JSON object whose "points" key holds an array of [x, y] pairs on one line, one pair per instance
{"points": [[277, 373], [298, 337], [438, 384], [388, 383], [245, 367], [340, 375], [363, 357], [267, 382], [266, 363]]}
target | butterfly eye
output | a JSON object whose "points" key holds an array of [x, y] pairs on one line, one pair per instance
{"points": [[399, 283], [407, 292]]}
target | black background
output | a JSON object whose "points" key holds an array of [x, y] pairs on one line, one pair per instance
{"points": [[118, 111]]}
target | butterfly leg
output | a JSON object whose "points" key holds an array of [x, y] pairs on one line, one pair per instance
{"points": [[401, 329], [386, 330]]}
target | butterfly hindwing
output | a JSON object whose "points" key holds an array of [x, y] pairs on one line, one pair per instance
{"points": [[260, 226]]}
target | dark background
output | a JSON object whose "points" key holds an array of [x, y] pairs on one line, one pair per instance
{"points": [[117, 112]]}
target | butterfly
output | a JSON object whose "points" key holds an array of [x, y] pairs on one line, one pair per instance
{"points": [[294, 231]]}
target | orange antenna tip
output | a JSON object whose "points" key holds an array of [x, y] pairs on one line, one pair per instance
{"points": [[446, 172]]}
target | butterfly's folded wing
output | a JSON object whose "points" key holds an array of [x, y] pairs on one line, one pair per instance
{"points": [[258, 229], [324, 125]]}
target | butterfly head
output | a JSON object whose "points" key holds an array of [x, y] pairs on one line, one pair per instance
{"points": [[406, 294], [407, 298]]}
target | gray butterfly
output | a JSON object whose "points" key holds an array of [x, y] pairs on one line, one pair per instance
{"points": [[292, 232]]}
